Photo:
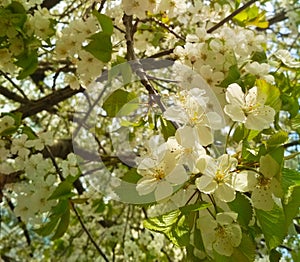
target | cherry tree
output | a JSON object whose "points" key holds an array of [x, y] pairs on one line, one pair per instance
{"points": [[149, 130]]}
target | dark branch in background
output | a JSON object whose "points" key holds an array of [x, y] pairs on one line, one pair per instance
{"points": [[22, 225], [47, 102], [9, 179], [168, 28], [50, 3], [294, 143], [13, 96], [88, 233], [137, 66], [228, 18]]}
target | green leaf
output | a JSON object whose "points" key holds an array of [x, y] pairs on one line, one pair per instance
{"points": [[272, 92], [290, 178], [60, 208], [173, 225], [63, 191], [131, 176], [48, 228], [164, 222], [16, 7], [179, 233], [29, 132], [167, 128], [273, 226], [260, 57], [295, 122], [29, 62], [114, 104], [278, 138], [242, 205], [239, 133], [232, 76], [79, 200], [105, 22], [100, 46], [62, 225], [290, 104], [245, 251], [275, 256], [194, 207]]}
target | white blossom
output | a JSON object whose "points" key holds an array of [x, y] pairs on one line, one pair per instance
{"points": [[217, 176], [248, 108]]}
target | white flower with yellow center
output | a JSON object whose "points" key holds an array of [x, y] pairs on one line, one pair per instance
{"points": [[223, 233], [161, 171], [191, 112], [249, 108], [263, 184], [217, 176]]}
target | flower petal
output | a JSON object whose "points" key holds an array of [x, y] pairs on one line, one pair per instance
{"points": [[163, 190], [146, 185], [235, 112]]}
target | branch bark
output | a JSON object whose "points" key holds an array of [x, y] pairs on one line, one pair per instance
{"points": [[47, 102]]}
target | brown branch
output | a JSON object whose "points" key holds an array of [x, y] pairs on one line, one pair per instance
{"points": [[137, 66], [50, 3], [9, 179], [13, 96], [47, 102], [228, 18], [88, 233]]}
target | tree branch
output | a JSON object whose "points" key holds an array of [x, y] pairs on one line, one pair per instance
{"points": [[47, 102], [13, 96], [228, 18]]}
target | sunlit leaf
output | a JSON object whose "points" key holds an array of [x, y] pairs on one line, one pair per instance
{"points": [[273, 226], [120, 102]]}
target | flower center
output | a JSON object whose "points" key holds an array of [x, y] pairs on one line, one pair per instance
{"points": [[159, 174], [263, 182], [220, 177]]}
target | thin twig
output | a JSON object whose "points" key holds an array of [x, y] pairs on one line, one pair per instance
{"points": [[89, 234], [229, 17]]}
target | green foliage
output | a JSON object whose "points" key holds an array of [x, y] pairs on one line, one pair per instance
{"points": [[252, 17], [105, 22], [28, 61], [120, 102], [243, 207], [175, 224], [273, 225], [100, 46], [167, 128], [233, 76]]}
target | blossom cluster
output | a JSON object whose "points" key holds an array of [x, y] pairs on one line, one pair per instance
{"points": [[69, 45]]}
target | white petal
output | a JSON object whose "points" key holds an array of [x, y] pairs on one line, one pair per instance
{"points": [[262, 199], [251, 97], [235, 95], [146, 185], [177, 114], [268, 166], [163, 190], [261, 118], [225, 193], [177, 176], [206, 184], [205, 135], [244, 181], [235, 112], [186, 136]]}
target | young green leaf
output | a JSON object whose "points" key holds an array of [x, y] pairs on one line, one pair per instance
{"points": [[117, 100], [273, 225], [105, 22], [100, 46], [62, 225]]}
